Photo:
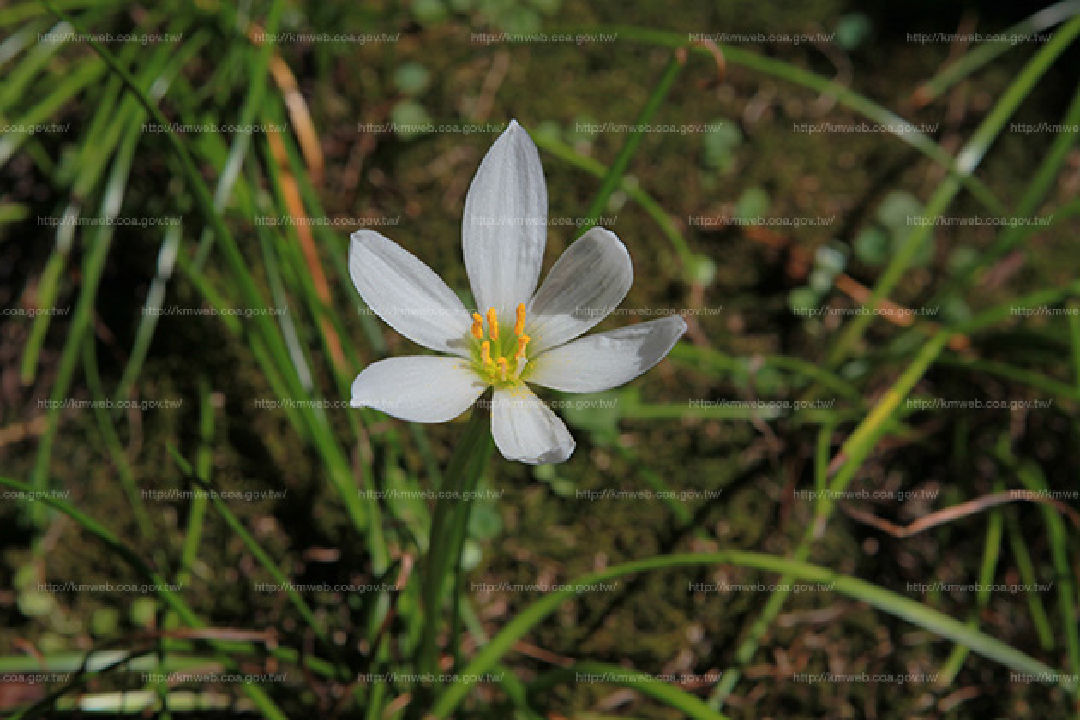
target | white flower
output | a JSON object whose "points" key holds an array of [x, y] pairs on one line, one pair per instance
{"points": [[517, 335]]}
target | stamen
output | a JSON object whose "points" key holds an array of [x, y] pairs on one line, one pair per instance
{"points": [[493, 324], [523, 340], [502, 368], [477, 326], [521, 363], [485, 352], [519, 326]]}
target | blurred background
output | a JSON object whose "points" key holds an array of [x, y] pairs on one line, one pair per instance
{"points": [[867, 216]]}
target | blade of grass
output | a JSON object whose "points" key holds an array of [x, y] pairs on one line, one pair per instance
{"points": [[112, 444], [1035, 192], [71, 85], [1030, 579], [885, 600], [855, 450], [448, 527], [986, 52], [618, 167], [95, 151], [338, 470], [163, 590], [968, 159], [845, 96], [255, 549], [253, 102], [633, 190], [987, 570], [93, 266], [646, 684], [1032, 477]]}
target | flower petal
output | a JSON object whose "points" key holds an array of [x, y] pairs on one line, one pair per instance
{"points": [[505, 223], [584, 285], [526, 430], [606, 360], [418, 388], [407, 294]]}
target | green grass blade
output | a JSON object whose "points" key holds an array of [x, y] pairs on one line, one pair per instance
{"points": [[647, 685], [968, 159], [985, 53], [614, 175], [900, 128], [885, 600]]}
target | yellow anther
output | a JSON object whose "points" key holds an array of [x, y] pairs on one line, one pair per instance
{"points": [[493, 324], [502, 368], [523, 340], [519, 326], [477, 326], [485, 352]]}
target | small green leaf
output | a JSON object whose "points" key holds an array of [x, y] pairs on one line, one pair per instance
{"points": [[872, 246], [428, 12], [898, 210], [411, 78], [104, 621], [142, 611], [852, 30], [802, 299], [703, 270], [720, 144], [36, 603], [410, 120], [753, 203]]}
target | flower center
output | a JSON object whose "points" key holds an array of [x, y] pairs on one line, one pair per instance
{"points": [[499, 358]]}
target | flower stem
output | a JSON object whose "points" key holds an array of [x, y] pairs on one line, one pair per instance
{"points": [[448, 528]]}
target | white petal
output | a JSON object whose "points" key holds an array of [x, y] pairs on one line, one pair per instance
{"points": [[407, 294], [418, 388], [526, 430], [505, 223], [584, 285], [609, 359]]}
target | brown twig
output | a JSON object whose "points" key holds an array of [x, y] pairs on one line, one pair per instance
{"points": [[294, 203], [956, 512]]}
